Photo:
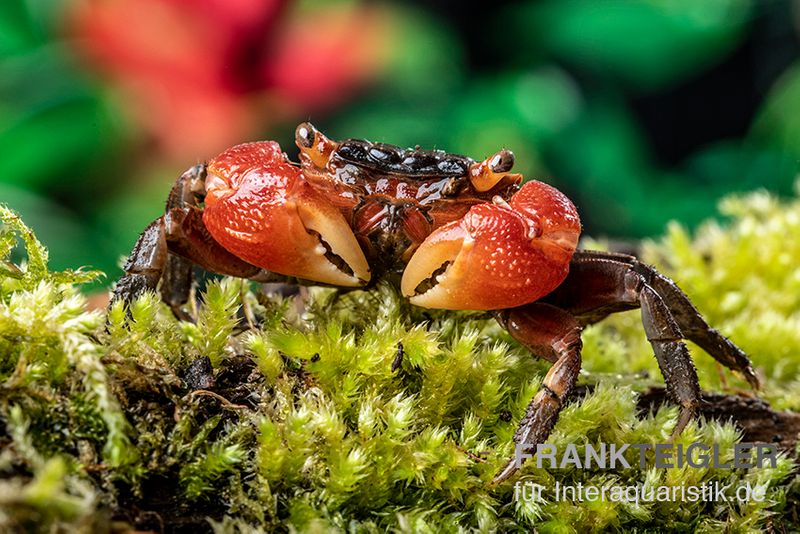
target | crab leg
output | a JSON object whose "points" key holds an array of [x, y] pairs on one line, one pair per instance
{"points": [[150, 259], [555, 335], [595, 287], [177, 276], [695, 328], [598, 285], [672, 355], [168, 247], [176, 284], [145, 264], [591, 293]]}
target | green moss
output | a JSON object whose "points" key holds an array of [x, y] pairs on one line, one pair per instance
{"points": [[307, 427]]}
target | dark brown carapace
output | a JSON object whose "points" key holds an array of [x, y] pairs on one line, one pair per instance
{"points": [[461, 234]]}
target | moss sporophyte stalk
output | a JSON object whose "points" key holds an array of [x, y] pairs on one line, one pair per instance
{"points": [[298, 421]]}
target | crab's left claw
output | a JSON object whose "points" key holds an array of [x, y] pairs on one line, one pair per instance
{"points": [[499, 255], [259, 207]]}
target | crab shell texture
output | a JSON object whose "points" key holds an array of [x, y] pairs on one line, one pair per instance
{"points": [[463, 235]]}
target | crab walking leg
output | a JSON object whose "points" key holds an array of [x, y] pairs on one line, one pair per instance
{"points": [[176, 285], [145, 264], [598, 285], [695, 328], [150, 259], [169, 246], [554, 335], [177, 276], [598, 273], [672, 355]]}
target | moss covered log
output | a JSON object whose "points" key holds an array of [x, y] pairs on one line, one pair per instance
{"points": [[282, 414]]}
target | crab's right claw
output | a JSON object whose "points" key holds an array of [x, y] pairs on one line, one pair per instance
{"points": [[498, 255], [259, 207]]}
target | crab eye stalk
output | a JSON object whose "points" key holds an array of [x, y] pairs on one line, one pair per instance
{"points": [[488, 173], [315, 148]]}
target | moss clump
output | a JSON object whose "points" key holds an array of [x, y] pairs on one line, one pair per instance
{"points": [[266, 415]]}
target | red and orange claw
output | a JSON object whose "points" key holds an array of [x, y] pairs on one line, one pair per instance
{"points": [[499, 255], [259, 207]]}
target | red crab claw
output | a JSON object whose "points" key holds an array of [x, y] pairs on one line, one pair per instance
{"points": [[259, 207], [499, 255]]}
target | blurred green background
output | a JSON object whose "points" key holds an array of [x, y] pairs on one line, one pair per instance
{"points": [[642, 111]]}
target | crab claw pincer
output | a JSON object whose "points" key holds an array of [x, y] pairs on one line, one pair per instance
{"points": [[259, 207], [499, 255]]}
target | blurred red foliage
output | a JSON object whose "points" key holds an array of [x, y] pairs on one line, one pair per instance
{"points": [[200, 75]]}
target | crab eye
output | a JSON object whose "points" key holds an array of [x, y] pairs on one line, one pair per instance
{"points": [[503, 161], [304, 135]]}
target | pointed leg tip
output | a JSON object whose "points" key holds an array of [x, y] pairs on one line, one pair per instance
{"points": [[752, 378], [182, 315], [686, 415], [504, 474]]}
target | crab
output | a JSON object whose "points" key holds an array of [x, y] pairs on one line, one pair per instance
{"points": [[455, 233]]}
